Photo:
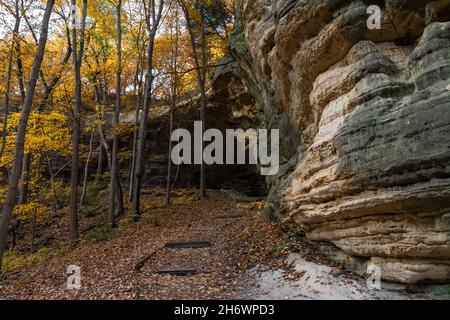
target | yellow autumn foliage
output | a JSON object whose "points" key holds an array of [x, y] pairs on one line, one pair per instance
{"points": [[29, 211], [47, 134]]}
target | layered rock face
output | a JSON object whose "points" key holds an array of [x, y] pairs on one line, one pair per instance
{"points": [[365, 117]]}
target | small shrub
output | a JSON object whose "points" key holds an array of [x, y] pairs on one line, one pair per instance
{"points": [[42, 243], [92, 211], [13, 261], [295, 235], [125, 222], [154, 220], [270, 214], [304, 253], [99, 234], [59, 193], [276, 248], [94, 189]]}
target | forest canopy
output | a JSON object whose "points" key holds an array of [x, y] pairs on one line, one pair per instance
{"points": [[70, 71]]}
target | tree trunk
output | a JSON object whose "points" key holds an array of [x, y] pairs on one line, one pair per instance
{"points": [[105, 146], [152, 26], [105, 143], [86, 169], [74, 177], [56, 203], [201, 78], [33, 231], [23, 193], [114, 170], [19, 63], [138, 84], [108, 157], [172, 110], [20, 71], [100, 162], [203, 102], [10, 202], [9, 76]]}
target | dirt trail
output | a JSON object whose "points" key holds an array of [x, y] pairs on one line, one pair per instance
{"points": [[245, 259]]}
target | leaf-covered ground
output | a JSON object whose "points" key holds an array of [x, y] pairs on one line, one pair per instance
{"points": [[241, 239]]}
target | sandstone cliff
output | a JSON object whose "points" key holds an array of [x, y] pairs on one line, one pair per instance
{"points": [[365, 120]]}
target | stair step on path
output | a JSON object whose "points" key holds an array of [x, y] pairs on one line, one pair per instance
{"points": [[178, 272], [188, 245], [230, 216]]}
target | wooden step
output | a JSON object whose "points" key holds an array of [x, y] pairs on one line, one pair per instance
{"points": [[178, 272], [230, 216], [188, 245]]}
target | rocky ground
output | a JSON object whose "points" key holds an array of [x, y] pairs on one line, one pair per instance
{"points": [[246, 259], [314, 281]]}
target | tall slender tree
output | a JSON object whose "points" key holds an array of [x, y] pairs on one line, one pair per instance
{"points": [[86, 169], [201, 73], [15, 35], [114, 169], [174, 79], [77, 58], [153, 15], [138, 77], [11, 195]]}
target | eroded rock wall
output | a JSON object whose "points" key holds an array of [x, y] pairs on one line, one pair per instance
{"points": [[365, 121]]}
